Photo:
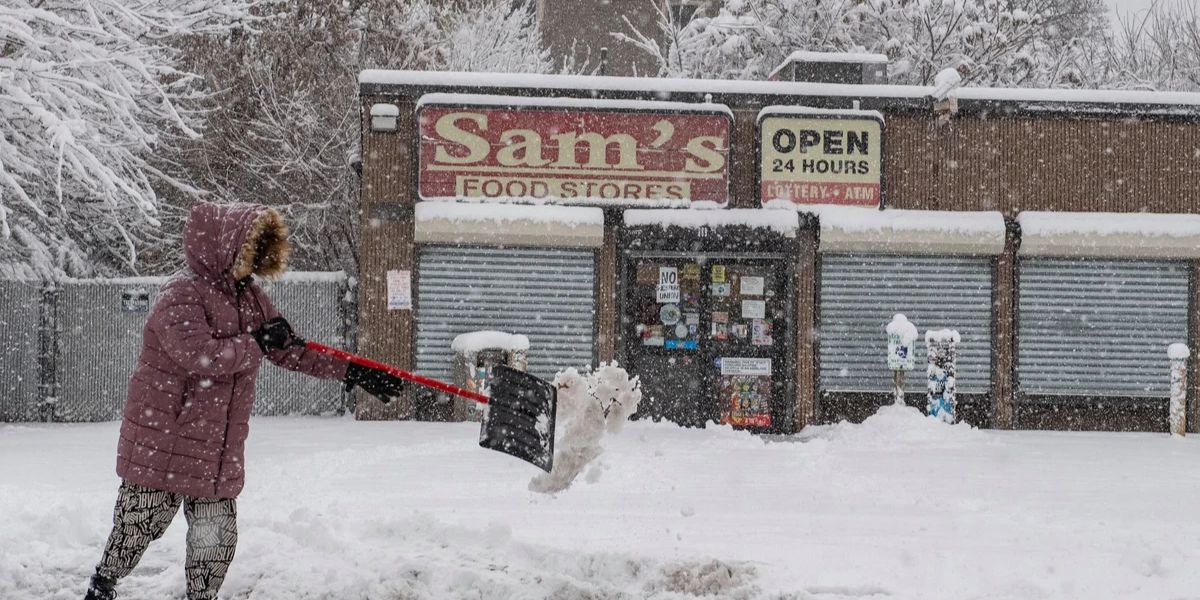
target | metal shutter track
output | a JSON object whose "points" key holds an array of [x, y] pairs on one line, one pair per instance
{"points": [[859, 295], [545, 294], [1099, 327]]}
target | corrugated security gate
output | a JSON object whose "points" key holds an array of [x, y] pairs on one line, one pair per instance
{"points": [[20, 308], [1099, 327], [545, 294], [100, 332], [859, 294]]}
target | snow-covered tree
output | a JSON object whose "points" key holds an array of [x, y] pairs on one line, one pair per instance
{"points": [[284, 130], [998, 42], [89, 95], [1158, 49]]}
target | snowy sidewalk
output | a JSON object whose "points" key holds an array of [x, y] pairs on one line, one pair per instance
{"points": [[897, 508]]}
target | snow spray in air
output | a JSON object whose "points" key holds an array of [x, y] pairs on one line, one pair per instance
{"points": [[588, 406]]}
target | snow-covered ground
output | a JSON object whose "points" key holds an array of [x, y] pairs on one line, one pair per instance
{"points": [[900, 507]]}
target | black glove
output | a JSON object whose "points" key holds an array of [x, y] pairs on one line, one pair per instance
{"points": [[275, 334], [380, 384]]}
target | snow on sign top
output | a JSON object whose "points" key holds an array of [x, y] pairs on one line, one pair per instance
{"points": [[384, 109], [1178, 351], [482, 340], [771, 111], [501, 212], [901, 326], [934, 336], [783, 221], [443, 99], [852, 218]]}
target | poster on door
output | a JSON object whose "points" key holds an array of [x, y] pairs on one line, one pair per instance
{"points": [[745, 388]]}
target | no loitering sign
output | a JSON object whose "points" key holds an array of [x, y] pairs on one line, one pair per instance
{"points": [[821, 157]]}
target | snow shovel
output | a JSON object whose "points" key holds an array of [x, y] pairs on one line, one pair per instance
{"points": [[520, 417]]}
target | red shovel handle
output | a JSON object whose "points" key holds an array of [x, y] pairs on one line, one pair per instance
{"points": [[413, 377]]}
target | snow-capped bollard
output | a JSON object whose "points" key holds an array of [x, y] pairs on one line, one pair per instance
{"points": [[1177, 418], [902, 335], [942, 385]]}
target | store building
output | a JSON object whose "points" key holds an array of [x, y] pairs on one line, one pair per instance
{"points": [[724, 241]]}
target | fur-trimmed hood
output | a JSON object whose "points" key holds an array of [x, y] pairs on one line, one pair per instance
{"points": [[234, 241]]}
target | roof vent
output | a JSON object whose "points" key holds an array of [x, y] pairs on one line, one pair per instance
{"points": [[832, 67]]}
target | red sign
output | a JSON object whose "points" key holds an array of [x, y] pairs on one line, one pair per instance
{"points": [[574, 155]]}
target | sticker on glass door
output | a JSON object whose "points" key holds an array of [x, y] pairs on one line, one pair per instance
{"points": [[745, 391]]}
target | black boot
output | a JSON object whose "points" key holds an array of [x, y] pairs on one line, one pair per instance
{"points": [[101, 588]]}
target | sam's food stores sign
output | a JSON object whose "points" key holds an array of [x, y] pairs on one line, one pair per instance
{"points": [[636, 153], [811, 156]]}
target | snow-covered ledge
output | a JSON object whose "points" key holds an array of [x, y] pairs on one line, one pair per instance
{"points": [[782, 221], [440, 222], [1109, 235], [898, 231]]}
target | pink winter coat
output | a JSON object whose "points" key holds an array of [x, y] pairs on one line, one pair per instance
{"points": [[188, 409]]}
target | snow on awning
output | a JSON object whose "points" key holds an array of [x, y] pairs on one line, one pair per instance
{"points": [[897, 231], [1109, 235], [511, 224], [476, 341], [782, 221]]}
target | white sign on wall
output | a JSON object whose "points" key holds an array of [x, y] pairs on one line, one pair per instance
{"points": [[668, 285], [399, 290]]}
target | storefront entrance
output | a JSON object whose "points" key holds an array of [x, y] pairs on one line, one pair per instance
{"points": [[707, 335]]}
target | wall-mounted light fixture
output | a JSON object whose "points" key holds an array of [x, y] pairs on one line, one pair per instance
{"points": [[383, 117]]}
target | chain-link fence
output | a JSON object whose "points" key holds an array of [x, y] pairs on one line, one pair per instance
{"points": [[70, 351], [20, 318]]}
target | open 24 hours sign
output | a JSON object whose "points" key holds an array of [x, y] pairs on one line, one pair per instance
{"points": [[821, 156], [573, 150]]}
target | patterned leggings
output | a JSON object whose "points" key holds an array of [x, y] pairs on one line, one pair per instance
{"points": [[142, 516]]}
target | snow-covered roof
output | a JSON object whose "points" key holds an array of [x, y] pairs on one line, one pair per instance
{"points": [[578, 103], [483, 340], [384, 109], [663, 87], [1045, 233], [838, 57], [782, 221], [899, 231], [506, 223], [771, 111]]}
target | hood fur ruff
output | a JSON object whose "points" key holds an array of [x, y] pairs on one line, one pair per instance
{"points": [[265, 250]]}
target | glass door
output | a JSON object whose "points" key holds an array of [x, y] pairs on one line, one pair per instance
{"points": [[706, 337], [747, 319]]}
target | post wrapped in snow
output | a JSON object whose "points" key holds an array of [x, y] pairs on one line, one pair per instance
{"points": [[902, 335], [941, 388], [1178, 353], [588, 406]]}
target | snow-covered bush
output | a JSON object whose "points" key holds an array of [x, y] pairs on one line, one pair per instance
{"points": [[1010, 42]]}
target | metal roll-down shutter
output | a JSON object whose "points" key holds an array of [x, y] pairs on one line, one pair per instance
{"points": [[859, 294], [1091, 327], [546, 294]]}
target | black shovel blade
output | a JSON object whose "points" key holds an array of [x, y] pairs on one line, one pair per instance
{"points": [[520, 417]]}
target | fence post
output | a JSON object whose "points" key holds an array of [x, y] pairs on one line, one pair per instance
{"points": [[942, 385], [46, 408], [1177, 418]]}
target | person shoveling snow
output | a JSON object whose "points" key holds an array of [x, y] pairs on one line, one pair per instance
{"points": [[188, 408], [588, 405]]}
